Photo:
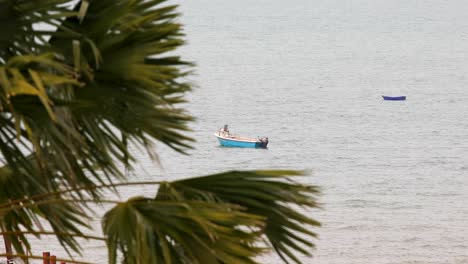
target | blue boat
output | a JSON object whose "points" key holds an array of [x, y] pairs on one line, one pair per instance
{"points": [[394, 98], [227, 139]]}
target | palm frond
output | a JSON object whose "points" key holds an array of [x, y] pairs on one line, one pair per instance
{"points": [[71, 117], [136, 87], [19, 19], [64, 218], [268, 194], [151, 231]]}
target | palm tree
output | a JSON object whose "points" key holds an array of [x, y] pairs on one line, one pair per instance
{"points": [[80, 81]]}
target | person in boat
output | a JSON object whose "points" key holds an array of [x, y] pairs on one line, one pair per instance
{"points": [[225, 129]]}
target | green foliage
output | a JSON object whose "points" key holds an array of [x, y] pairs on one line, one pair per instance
{"points": [[151, 231], [80, 83], [261, 193]]}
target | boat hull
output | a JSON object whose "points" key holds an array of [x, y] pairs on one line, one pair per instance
{"points": [[394, 98], [226, 142]]}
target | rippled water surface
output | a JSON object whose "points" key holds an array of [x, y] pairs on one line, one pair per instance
{"points": [[310, 75]]}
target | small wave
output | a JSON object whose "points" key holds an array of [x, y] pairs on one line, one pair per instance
{"points": [[351, 227], [409, 240]]}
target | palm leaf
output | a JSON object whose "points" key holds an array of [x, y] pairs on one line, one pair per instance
{"points": [[262, 193], [19, 35], [151, 231]]}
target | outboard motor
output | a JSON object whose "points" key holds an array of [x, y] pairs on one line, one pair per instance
{"points": [[264, 141]]}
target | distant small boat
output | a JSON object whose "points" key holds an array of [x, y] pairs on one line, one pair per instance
{"points": [[394, 98], [227, 139]]}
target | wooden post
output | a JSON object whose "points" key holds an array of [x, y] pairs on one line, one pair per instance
{"points": [[46, 257], [53, 260]]}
